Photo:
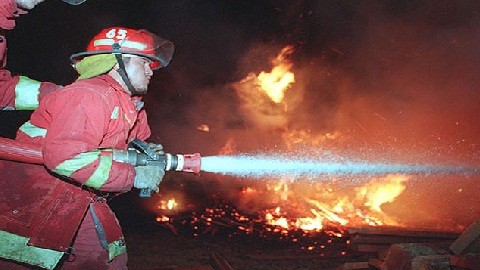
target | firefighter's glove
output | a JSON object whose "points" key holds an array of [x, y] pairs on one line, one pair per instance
{"points": [[148, 177], [157, 148]]}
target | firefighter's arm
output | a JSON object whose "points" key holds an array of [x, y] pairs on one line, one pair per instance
{"points": [[21, 92], [72, 143]]}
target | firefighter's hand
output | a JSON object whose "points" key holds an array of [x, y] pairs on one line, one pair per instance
{"points": [[157, 148], [148, 177]]}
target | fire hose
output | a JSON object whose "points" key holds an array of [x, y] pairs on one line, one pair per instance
{"points": [[143, 156]]}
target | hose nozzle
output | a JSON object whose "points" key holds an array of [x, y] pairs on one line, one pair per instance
{"points": [[171, 162], [142, 155], [183, 162]]}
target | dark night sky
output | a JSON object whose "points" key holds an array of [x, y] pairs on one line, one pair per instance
{"points": [[406, 72]]}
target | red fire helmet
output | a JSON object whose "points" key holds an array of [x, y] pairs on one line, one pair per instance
{"points": [[121, 40]]}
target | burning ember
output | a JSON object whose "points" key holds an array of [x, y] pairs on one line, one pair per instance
{"points": [[224, 220], [168, 205], [204, 128]]}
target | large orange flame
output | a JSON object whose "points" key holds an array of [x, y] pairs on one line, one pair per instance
{"points": [[280, 78]]}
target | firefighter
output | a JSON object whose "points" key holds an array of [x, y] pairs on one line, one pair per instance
{"points": [[19, 92], [59, 213]]}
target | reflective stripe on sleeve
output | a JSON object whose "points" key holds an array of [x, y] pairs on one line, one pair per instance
{"points": [[26, 93], [69, 166], [32, 130], [101, 174], [15, 247]]}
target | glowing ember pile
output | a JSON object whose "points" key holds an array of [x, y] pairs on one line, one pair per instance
{"points": [[224, 220]]}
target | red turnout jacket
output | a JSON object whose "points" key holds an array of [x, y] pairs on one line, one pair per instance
{"points": [[77, 126]]}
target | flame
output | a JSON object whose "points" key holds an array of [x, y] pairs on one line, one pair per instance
{"points": [[262, 94], [250, 190], [378, 193], [302, 136], [228, 148], [280, 78], [170, 204], [360, 209], [204, 128], [163, 219], [295, 137], [280, 188]]}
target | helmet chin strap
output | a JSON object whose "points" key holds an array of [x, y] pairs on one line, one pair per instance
{"points": [[123, 73]]}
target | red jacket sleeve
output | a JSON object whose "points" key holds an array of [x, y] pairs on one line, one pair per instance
{"points": [[3, 51], [143, 129], [21, 92], [8, 9], [79, 123]]}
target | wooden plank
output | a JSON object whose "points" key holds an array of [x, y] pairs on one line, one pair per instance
{"points": [[440, 261], [403, 254], [468, 241], [369, 248], [403, 232], [314, 256], [219, 262], [391, 239], [467, 261], [353, 266], [377, 263]]}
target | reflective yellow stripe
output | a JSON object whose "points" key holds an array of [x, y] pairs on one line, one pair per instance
{"points": [[114, 113], [116, 248], [26, 93], [68, 167], [32, 130], [15, 247], [101, 174]]}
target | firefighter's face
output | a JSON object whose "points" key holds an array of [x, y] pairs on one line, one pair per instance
{"points": [[139, 72], [28, 4]]}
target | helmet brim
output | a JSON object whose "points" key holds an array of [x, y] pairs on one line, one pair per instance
{"points": [[156, 62]]}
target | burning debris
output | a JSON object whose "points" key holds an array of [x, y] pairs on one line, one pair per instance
{"points": [[224, 220], [310, 208]]}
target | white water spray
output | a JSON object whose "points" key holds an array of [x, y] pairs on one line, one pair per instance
{"points": [[259, 166]]}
